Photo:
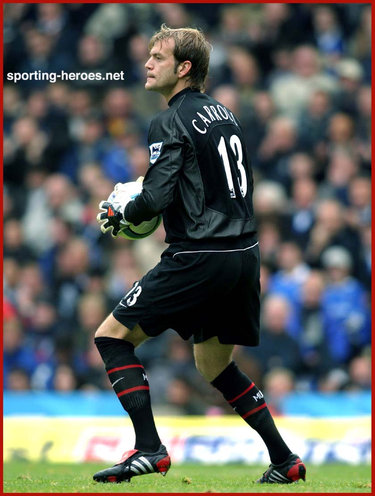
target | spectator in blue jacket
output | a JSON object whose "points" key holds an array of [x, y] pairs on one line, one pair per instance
{"points": [[345, 309]]}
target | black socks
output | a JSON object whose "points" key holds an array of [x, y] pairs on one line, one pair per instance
{"points": [[129, 381], [248, 401]]}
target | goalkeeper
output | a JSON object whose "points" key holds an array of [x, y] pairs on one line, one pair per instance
{"points": [[206, 284]]}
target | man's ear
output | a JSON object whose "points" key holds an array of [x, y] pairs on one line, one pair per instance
{"points": [[184, 68]]}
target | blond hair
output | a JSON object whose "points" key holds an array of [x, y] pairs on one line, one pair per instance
{"points": [[190, 44]]}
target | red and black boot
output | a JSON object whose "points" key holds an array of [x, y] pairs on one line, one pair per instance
{"points": [[135, 462], [292, 470]]}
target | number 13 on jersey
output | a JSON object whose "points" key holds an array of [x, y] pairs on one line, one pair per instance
{"points": [[236, 146]]}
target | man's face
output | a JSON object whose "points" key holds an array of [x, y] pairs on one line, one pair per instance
{"points": [[161, 74]]}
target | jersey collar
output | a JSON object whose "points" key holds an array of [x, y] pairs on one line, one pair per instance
{"points": [[180, 94]]}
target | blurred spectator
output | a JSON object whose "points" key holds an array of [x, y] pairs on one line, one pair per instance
{"points": [[59, 234], [327, 33], [244, 72], [114, 15], [62, 198], [292, 92], [336, 379], [94, 55], [18, 354], [270, 200], [341, 169], [263, 112], [14, 50], [346, 318], [269, 236], [364, 273], [274, 28], [12, 106], [277, 348], [301, 166], [233, 23], [11, 274], [148, 250], [92, 310], [26, 151], [330, 229], [53, 20], [53, 121], [18, 380], [313, 123], [58, 95], [181, 398], [48, 198], [92, 146], [91, 374], [301, 215], [137, 54], [43, 329], [278, 383], [360, 373], [80, 107], [15, 245], [359, 198], [43, 325], [350, 75], [64, 379], [119, 112], [174, 15], [276, 149], [179, 356], [361, 42], [40, 56], [341, 134], [122, 274], [70, 277], [363, 126], [31, 288], [288, 280], [311, 335]]}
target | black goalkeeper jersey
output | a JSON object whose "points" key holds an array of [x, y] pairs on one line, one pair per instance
{"points": [[199, 176]]}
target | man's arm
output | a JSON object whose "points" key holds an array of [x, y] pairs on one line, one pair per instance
{"points": [[162, 176]]}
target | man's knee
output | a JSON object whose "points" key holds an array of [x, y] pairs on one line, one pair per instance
{"points": [[211, 367], [211, 358], [112, 328], [108, 328]]}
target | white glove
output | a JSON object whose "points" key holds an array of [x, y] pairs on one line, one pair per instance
{"points": [[111, 216], [134, 187], [123, 193]]}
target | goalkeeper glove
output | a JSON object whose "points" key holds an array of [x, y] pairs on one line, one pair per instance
{"points": [[112, 218]]}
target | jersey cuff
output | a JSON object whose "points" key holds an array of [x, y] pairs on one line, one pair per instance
{"points": [[138, 211]]}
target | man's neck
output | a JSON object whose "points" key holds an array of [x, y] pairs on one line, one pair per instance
{"points": [[181, 85]]}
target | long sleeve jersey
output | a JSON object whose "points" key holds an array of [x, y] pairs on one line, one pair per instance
{"points": [[199, 176]]}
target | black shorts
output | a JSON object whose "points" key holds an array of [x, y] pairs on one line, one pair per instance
{"points": [[204, 293]]}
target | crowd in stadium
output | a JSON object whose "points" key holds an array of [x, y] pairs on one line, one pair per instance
{"points": [[298, 77]]}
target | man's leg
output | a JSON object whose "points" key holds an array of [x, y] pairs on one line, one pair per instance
{"points": [[214, 362], [116, 346]]}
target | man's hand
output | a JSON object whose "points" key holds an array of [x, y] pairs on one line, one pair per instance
{"points": [[112, 215], [110, 218]]}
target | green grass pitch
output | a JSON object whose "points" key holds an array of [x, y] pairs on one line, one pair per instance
{"points": [[31, 477]]}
